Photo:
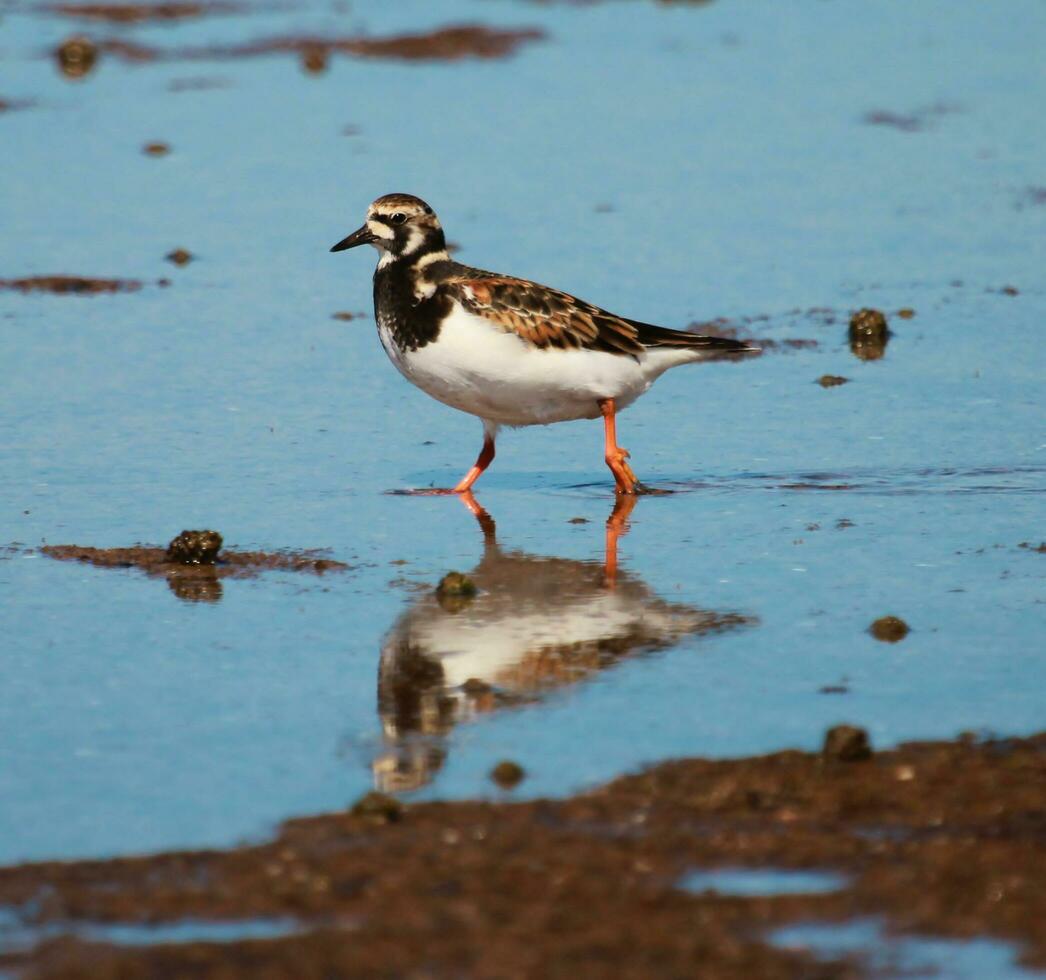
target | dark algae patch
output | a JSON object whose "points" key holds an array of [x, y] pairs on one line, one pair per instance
{"points": [[507, 774], [938, 838], [889, 629], [451, 43], [869, 334], [180, 256], [135, 13], [194, 563], [80, 285], [194, 548], [76, 56]]}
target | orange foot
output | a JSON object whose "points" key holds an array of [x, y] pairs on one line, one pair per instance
{"points": [[625, 480]]}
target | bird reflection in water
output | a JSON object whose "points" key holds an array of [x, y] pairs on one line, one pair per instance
{"points": [[535, 625]]}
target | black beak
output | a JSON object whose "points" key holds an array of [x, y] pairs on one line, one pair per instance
{"points": [[361, 236]]}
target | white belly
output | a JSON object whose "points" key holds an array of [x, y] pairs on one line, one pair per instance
{"points": [[477, 368]]}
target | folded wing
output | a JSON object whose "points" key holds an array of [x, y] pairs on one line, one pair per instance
{"points": [[549, 318]]}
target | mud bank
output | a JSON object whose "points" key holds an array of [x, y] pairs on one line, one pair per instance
{"points": [[196, 580], [937, 838]]}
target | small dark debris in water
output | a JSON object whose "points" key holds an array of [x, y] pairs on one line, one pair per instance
{"points": [[869, 334], [895, 120], [507, 774], [455, 591], [350, 130], [10, 105], [813, 527], [314, 59], [846, 743], [844, 522], [1031, 197], [1040, 548], [378, 808], [834, 689], [889, 629], [604, 209], [906, 313], [348, 317], [474, 687], [912, 122], [810, 485], [156, 148], [1007, 291], [831, 380], [76, 56], [444, 44], [82, 285], [134, 13], [201, 84], [578, 520], [179, 256], [194, 548]]}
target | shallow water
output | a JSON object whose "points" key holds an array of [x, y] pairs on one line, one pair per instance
{"points": [[763, 882], [741, 179], [913, 957], [17, 936]]}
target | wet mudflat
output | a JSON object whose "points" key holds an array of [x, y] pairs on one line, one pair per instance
{"points": [[940, 838], [179, 350]]}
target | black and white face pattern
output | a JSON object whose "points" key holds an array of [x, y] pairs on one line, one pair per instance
{"points": [[402, 226]]}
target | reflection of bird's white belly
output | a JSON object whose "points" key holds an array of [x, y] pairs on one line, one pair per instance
{"points": [[477, 368], [473, 643]]}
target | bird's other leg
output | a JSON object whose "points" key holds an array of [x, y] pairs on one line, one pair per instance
{"points": [[616, 457], [485, 458]]}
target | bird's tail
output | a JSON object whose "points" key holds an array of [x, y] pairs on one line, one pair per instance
{"points": [[652, 336]]}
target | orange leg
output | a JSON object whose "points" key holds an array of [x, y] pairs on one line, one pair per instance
{"points": [[485, 458], [617, 527], [616, 456], [486, 522]]}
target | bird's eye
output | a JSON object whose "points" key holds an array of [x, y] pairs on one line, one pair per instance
{"points": [[398, 218]]}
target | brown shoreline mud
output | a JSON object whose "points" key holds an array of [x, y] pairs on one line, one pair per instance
{"points": [[938, 838]]}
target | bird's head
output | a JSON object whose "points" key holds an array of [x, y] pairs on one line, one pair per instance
{"points": [[398, 225]]}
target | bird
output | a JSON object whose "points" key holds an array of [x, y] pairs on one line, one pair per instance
{"points": [[510, 351]]}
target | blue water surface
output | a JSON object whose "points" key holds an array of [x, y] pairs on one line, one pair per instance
{"points": [[670, 162]]}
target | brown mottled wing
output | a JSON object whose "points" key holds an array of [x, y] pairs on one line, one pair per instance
{"points": [[544, 317], [549, 318]]}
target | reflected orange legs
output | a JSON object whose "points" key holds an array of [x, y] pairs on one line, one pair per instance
{"points": [[485, 458], [616, 456], [617, 527]]}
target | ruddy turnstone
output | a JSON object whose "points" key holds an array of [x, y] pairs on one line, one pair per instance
{"points": [[509, 351]]}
